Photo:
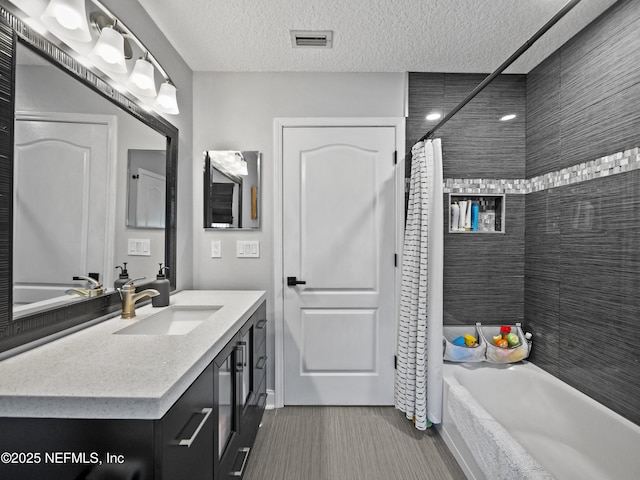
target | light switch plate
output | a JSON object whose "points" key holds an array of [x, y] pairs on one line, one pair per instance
{"points": [[139, 247], [247, 249], [216, 249]]}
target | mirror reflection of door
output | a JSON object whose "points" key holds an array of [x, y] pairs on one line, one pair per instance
{"points": [[150, 199], [146, 187]]}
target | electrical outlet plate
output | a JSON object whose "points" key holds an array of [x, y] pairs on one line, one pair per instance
{"points": [[139, 247], [247, 249]]}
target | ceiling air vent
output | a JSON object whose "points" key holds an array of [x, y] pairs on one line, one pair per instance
{"points": [[312, 38]]}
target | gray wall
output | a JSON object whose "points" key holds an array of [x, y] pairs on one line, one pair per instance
{"points": [[483, 273], [235, 111], [582, 279]]}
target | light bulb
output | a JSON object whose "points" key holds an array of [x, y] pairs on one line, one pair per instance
{"points": [[166, 100], [142, 80], [108, 52], [67, 19]]}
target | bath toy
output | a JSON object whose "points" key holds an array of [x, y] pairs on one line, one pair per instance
{"points": [[505, 330], [496, 339], [513, 339], [459, 341], [503, 343], [470, 341]]}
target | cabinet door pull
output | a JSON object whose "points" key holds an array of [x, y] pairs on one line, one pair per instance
{"points": [[186, 442], [261, 323], [261, 362], [240, 361], [239, 473]]}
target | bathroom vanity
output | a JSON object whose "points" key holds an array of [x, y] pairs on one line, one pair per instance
{"points": [[175, 393]]}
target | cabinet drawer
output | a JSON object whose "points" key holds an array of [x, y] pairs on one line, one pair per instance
{"points": [[253, 417], [260, 322], [187, 432], [259, 363]]}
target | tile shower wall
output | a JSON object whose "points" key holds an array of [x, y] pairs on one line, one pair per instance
{"points": [[583, 213], [483, 273]]}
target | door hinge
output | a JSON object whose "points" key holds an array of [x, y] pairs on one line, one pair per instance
{"points": [[395, 157], [395, 362]]}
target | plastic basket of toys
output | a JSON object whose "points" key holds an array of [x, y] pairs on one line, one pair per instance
{"points": [[505, 343], [463, 344]]}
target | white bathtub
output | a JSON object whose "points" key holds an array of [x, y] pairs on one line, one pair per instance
{"points": [[568, 433]]}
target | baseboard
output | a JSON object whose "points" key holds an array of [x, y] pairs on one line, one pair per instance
{"points": [[271, 400]]}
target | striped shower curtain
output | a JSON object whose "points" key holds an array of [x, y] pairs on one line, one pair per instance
{"points": [[418, 383]]}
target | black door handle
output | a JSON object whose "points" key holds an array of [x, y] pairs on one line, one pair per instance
{"points": [[293, 281]]}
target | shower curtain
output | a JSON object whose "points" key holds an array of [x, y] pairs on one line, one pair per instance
{"points": [[418, 382]]}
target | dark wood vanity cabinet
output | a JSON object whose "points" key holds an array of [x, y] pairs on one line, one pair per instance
{"points": [[207, 434], [240, 396]]}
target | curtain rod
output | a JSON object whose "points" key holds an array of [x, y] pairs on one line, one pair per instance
{"points": [[564, 10]]}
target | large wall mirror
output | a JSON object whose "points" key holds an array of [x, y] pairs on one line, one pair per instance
{"points": [[232, 189], [68, 141]]}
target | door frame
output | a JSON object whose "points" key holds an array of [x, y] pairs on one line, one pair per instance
{"points": [[279, 124]]}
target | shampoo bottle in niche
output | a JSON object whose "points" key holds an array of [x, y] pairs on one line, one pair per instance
{"points": [[467, 217], [161, 283], [474, 217], [463, 213], [455, 215], [123, 277]]}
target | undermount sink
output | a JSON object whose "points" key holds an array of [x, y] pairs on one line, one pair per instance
{"points": [[173, 320]]}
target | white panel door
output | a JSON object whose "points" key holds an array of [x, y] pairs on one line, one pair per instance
{"points": [[339, 238], [60, 215]]}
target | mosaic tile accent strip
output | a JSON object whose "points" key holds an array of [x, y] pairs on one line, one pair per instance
{"points": [[608, 165], [484, 185], [614, 164]]}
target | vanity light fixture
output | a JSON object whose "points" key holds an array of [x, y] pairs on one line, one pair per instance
{"points": [[230, 161], [67, 19], [506, 118], [142, 80], [166, 100], [115, 46], [108, 53]]}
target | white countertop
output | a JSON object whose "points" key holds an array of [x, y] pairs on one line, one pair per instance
{"points": [[93, 373]]}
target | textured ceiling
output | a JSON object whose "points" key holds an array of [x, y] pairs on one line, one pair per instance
{"points": [[369, 35]]}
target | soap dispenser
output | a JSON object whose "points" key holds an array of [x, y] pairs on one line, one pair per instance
{"points": [[122, 278], [161, 283]]}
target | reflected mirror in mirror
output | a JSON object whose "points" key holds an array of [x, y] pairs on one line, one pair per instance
{"points": [[232, 189], [70, 186], [146, 188]]}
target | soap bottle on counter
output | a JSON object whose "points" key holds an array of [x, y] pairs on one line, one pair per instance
{"points": [[123, 277], [161, 283]]}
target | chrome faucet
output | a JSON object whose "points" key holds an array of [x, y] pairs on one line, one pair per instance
{"points": [[130, 297], [95, 290]]}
